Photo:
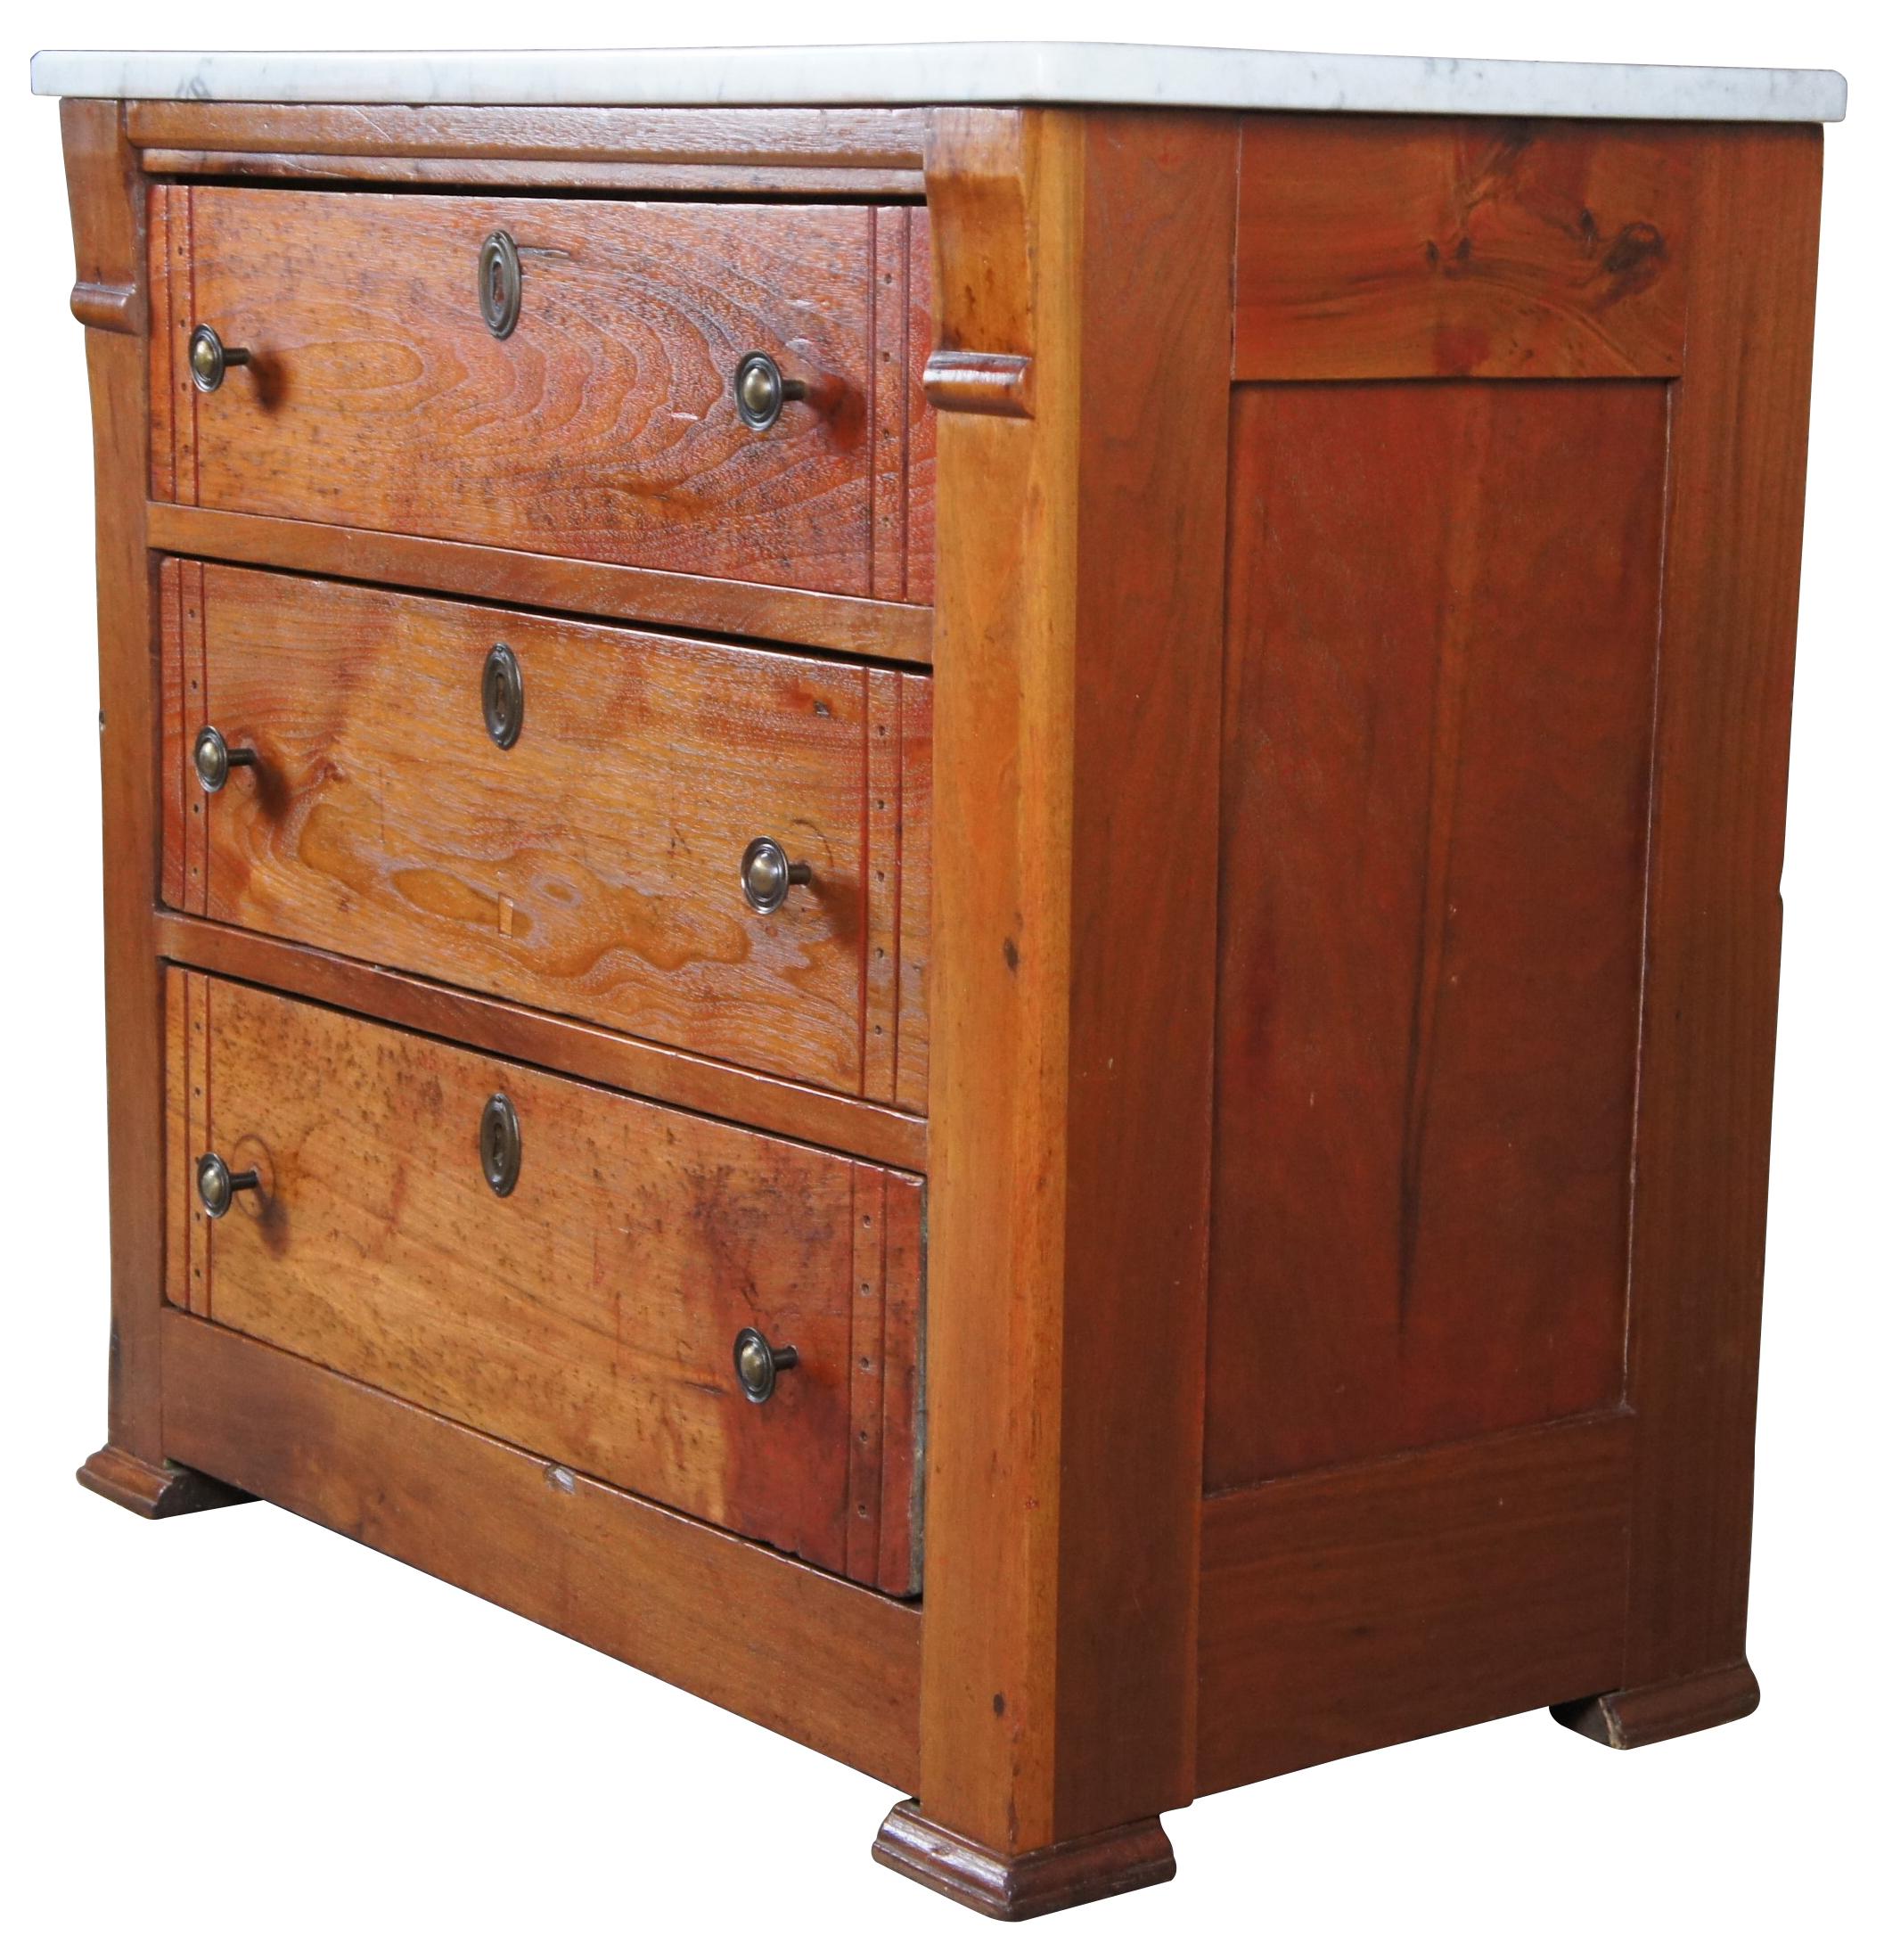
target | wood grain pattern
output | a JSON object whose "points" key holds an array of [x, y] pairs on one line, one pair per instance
{"points": [[108, 207], [1074, 1871], [1736, 513], [740, 139], [872, 629], [591, 1315], [1436, 811], [153, 1490], [1379, 247], [186, 1137], [827, 1663], [1078, 632], [1368, 1604], [747, 183], [552, 1041], [593, 867], [1634, 1718], [604, 428]]}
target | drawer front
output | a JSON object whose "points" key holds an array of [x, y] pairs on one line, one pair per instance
{"points": [[592, 866], [590, 1315], [603, 426]]}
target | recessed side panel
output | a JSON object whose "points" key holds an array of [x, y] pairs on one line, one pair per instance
{"points": [[1441, 651]]}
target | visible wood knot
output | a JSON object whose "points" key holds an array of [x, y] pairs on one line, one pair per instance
{"points": [[1634, 259], [1010, 953]]}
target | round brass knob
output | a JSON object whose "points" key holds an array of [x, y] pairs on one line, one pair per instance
{"points": [[500, 1144], [214, 758], [759, 1364], [210, 360], [217, 1185], [766, 874], [760, 392]]}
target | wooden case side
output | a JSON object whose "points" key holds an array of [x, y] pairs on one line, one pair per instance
{"points": [[1082, 381], [109, 214], [1723, 732]]}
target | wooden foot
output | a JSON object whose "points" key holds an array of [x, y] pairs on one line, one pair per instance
{"points": [[155, 1490], [1630, 1717], [1031, 1882]]}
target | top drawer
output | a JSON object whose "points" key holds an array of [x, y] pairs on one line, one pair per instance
{"points": [[603, 426]]}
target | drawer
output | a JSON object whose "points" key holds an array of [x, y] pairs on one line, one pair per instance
{"points": [[592, 866], [602, 425], [591, 1314]]}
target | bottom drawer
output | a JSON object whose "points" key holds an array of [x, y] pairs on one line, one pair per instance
{"points": [[589, 1311]]}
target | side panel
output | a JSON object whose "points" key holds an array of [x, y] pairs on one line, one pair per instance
{"points": [[1509, 665], [1348, 1609], [1444, 605]]}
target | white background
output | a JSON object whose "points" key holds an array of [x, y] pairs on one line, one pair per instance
{"points": [[236, 1735]]}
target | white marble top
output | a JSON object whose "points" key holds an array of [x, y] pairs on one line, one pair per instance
{"points": [[967, 72]]}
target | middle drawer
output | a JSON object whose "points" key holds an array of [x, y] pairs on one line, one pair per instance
{"points": [[558, 814]]}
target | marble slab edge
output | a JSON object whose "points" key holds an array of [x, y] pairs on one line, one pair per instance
{"points": [[1032, 72]]}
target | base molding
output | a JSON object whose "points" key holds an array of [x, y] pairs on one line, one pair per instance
{"points": [[1028, 1883], [155, 1490], [1633, 1718]]}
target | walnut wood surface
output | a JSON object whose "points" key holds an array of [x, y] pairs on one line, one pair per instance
{"points": [[1634, 1718], [661, 1075], [1078, 631], [1026, 1884], [1440, 698], [1412, 246], [591, 1315], [108, 205], [602, 428], [593, 867], [875, 628], [794, 182], [827, 1663], [1446, 918], [1737, 467], [740, 139], [153, 1490], [1373, 1603]]}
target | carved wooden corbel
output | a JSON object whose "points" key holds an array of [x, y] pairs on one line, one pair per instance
{"points": [[982, 363]]}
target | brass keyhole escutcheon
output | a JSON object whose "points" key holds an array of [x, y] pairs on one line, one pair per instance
{"points": [[502, 696], [500, 1144], [500, 284]]}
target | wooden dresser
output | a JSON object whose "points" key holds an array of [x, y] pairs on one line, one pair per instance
{"points": [[963, 919]]}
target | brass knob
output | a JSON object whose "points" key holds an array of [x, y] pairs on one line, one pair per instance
{"points": [[210, 360], [766, 874], [214, 758], [217, 1185], [759, 1364], [760, 392], [500, 1144]]}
